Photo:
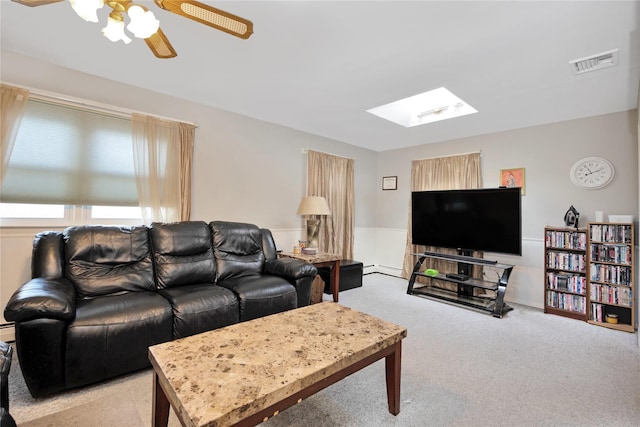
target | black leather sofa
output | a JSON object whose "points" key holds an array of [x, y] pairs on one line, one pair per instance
{"points": [[6, 352], [101, 295]]}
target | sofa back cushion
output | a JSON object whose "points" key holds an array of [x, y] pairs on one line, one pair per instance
{"points": [[237, 248], [103, 260], [268, 245], [183, 253], [47, 256]]}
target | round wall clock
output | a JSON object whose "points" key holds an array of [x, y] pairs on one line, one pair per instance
{"points": [[592, 173]]}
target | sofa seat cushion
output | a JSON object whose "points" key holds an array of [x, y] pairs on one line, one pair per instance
{"points": [[111, 335], [200, 308], [260, 295]]}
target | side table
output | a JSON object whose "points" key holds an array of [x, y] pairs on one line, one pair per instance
{"points": [[322, 259]]}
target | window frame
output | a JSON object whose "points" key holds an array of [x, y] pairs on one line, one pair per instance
{"points": [[73, 214]]}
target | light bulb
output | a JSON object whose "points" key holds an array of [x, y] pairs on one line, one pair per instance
{"points": [[143, 23], [87, 9], [114, 30]]}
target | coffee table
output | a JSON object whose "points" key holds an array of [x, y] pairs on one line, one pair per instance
{"points": [[246, 373]]}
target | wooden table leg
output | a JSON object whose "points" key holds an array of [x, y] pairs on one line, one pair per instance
{"points": [[160, 412], [335, 280], [393, 364]]}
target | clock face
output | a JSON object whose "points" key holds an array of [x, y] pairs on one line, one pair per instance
{"points": [[592, 173]]}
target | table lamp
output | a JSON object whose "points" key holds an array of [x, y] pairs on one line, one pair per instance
{"points": [[311, 207]]}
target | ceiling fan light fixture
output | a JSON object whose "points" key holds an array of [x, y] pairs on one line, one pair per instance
{"points": [[114, 30], [87, 9], [215, 18], [143, 22], [160, 45], [211, 16]]}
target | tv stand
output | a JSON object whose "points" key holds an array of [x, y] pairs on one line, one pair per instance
{"points": [[492, 303], [457, 276], [462, 256]]}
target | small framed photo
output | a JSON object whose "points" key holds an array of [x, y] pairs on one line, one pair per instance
{"points": [[389, 182], [512, 178]]}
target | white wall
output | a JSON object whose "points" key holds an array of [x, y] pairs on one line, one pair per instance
{"points": [[547, 153], [248, 170], [244, 169]]}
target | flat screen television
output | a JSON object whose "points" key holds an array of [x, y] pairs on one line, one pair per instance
{"points": [[486, 219]]}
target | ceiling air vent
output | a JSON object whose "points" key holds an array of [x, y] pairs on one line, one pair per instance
{"points": [[595, 62]]}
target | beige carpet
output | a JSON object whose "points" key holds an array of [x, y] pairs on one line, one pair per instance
{"points": [[124, 401], [460, 368], [114, 410]]}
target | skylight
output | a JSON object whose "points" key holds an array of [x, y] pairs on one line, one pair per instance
{"points": [[435, 105]]}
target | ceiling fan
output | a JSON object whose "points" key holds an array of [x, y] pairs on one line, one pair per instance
{"points": [[143, 23]]}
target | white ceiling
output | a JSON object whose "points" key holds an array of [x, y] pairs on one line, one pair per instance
{"points": [[317, 66]]}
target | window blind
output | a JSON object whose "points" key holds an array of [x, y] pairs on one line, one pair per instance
{"points": [[72, 156]]}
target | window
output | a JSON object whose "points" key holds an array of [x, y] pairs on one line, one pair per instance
{"points": [[116, 212], [29, 210], [73, 162], [427, 107], [37, 215]]}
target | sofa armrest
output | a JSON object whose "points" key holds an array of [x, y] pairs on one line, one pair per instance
{"points": [[290, 268], [298, 272], [42, 298]]}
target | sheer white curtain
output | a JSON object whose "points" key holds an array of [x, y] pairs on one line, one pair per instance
{"points": [[332, 177], [440, 173], [13, 101], [162, 154]]}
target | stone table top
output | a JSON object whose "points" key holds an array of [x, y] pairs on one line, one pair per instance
{"points": [[312, 259], [220, 377]]}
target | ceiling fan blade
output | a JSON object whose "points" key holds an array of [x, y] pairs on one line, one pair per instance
{"points": [[207, 15], [34, 3], [160, 46]]}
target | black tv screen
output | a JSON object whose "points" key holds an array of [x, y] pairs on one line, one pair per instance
{"points": [[486, 219]]}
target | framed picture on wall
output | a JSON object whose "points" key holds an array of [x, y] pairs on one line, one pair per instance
{"points": [[512, 178], [389, 182]]}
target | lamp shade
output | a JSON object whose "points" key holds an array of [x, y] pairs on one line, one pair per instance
{"points": [[313, 205]]}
